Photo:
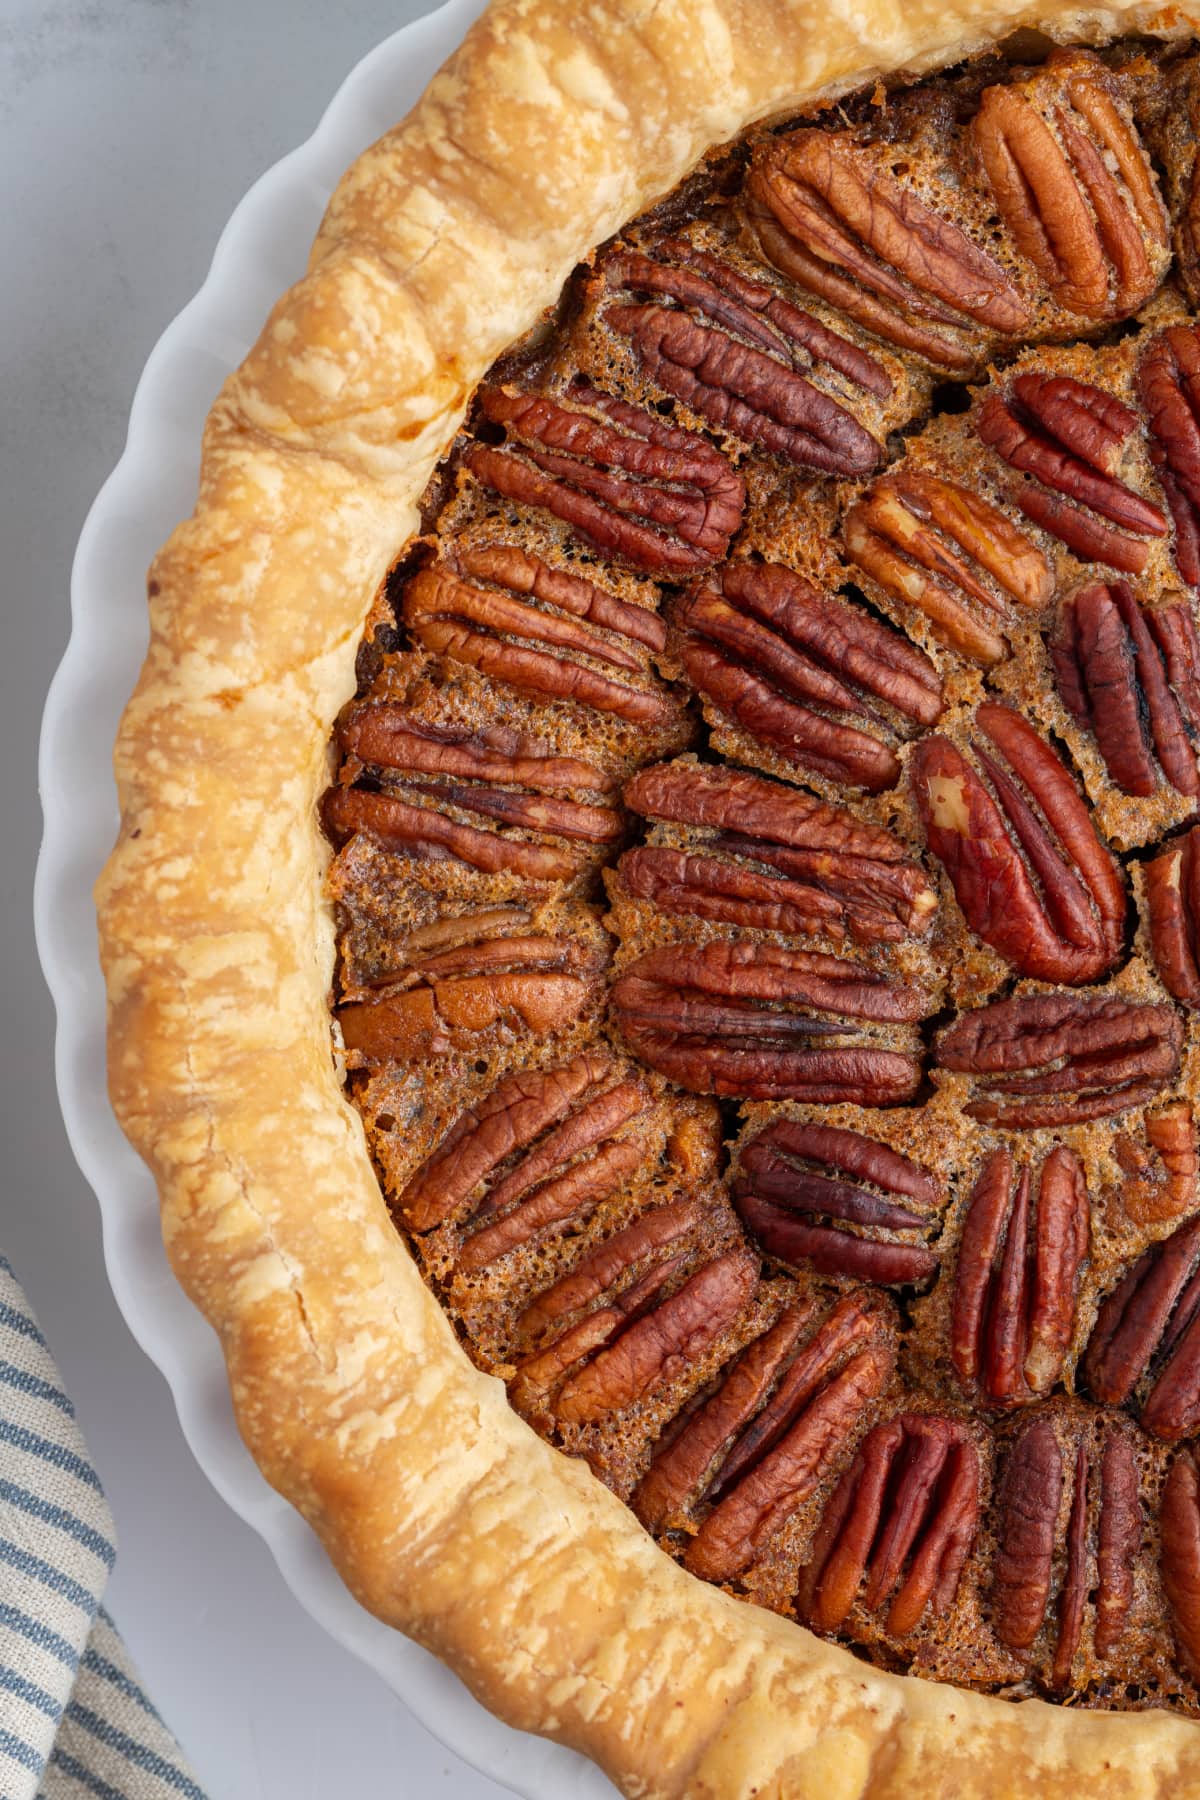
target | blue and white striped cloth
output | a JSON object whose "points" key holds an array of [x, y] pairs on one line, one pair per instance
{"points": [[74, 1723]]}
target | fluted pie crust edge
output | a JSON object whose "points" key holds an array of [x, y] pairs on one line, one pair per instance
{"points": [[446, 1515]]}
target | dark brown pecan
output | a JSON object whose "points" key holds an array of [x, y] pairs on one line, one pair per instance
{"points": [[1173, 904], [805, 672], [778, 1459], [543, 630], [644, 492], [517, 1146], [427, 835], [1017, 1278], [765, 1022], [1031, 1547], [684, 1464], [1118, 1539], [735, 352], [539, 985], [1018, 842], [1160, 1177], [1149, 1327], [1027, 1506], [533, 1385], [1179, 1526], [433, 947], [1172, 1407], [775, 858], [1169, 387], [604, 1266], [1067, 437], [636, 1342], [1073, 1598], [389, 735], [738, 1527], [1172, 886], [695, 278], [795, 1178], [832, 217], [796, 1242], [1060, 1059], [935, 546], [1075, 187], [904, 1515], [573, 1194], [433, 772], [1130, 675], [852, 1324]]}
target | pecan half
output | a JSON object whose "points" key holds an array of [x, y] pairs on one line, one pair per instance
{"points": [[1032, 1547], [765, 1022], [1019, 844], [686, 1462], [434, 774], [1017, 1277], [644, 492], [834, 220], [637, 1341], [934, 545], [1113, 1599], [509, 1163], [543, 630], [829, 1197], [1118, 1540], [1067, 437], [1172, 887], [600, 1270], [1074, 186], [1179, 1527], [735, 352], [1160, 1178], [776, 1461], [408, 953], [1130, 675], [805, 672], [1147, 1337], [387, 734], [1027, 1506], [695, 278], [774, 858], [904, 1515], [1169, 388], [427, 835], [1060, 1059], [443, 1001]]}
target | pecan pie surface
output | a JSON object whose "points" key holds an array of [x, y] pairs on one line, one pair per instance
{"points": [[727, 1282], [767, 894]]}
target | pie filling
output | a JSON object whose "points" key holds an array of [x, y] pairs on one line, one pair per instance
{"points": [[768, 882]]}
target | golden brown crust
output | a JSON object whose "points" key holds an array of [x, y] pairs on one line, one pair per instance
{"points": [[447, 1516]]}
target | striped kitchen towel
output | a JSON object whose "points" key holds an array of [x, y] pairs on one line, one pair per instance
{"points": [[74, 1723]]}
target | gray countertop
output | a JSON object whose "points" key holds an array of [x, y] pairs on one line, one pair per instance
{"points": [[129, 129]]}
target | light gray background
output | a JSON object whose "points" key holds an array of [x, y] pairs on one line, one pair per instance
{"points": [[129, 129]]}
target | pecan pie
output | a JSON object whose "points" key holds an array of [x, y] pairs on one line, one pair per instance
{"points": [[712, 1119]]}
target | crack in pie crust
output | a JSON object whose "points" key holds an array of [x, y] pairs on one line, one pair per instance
{"points": [[819, 577]]}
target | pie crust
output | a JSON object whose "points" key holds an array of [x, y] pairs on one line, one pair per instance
{"points": [[446, 1515]]}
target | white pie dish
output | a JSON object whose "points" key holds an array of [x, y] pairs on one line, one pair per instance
{"points": [[262, 250]]}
